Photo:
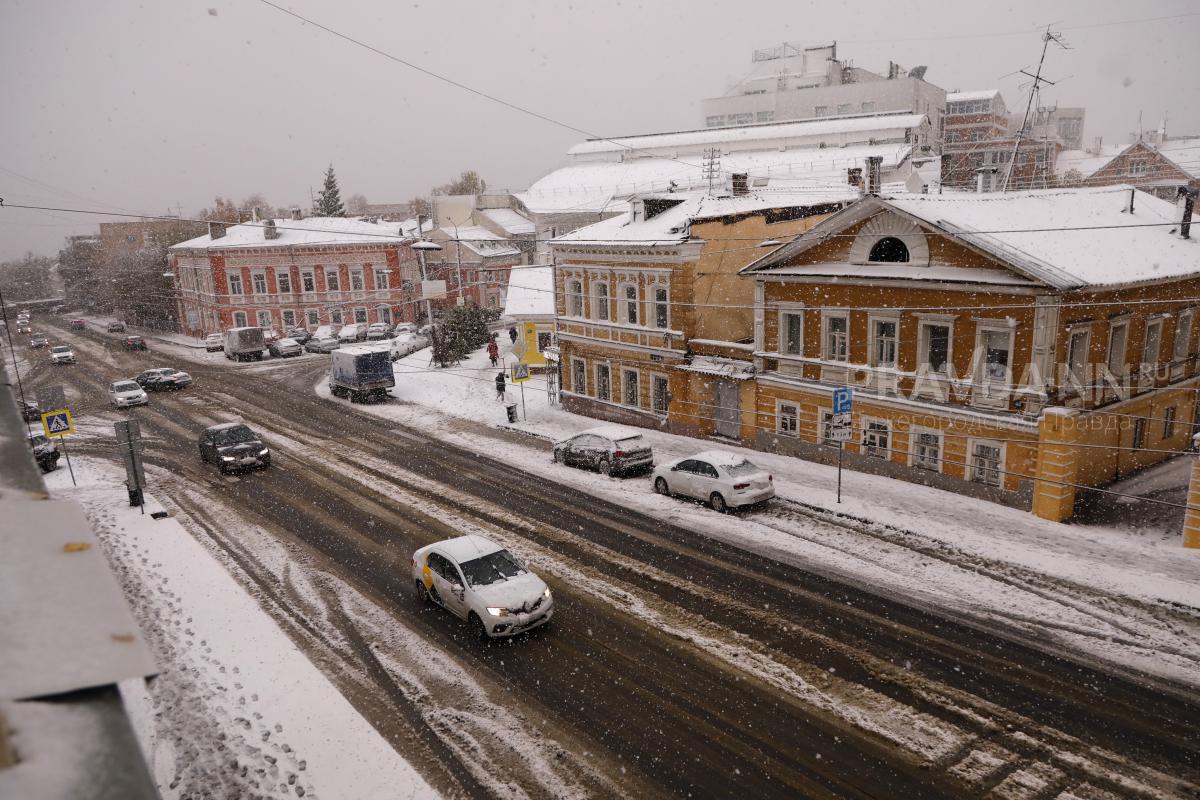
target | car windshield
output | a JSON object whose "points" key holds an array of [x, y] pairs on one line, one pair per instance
{"points": [[498, 566], [38, 439], [287, 342], [125, 386], [741, 468], [62, 348], [235, 435]]}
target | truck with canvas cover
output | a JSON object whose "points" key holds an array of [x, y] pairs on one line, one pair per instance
{"points": [[244, 344], [361, 373]]}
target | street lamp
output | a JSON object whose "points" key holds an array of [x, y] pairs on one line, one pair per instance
{"points": [[421, 247]]}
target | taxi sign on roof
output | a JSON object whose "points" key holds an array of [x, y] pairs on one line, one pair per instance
{"points": [[57, 423]]}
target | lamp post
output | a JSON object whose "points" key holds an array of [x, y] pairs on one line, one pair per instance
{"points": [[421, 247], [458, 268]]}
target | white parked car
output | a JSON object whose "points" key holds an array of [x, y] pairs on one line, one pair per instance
{"points": [[354, 332], [403, 344], [214, 342], [723, 480], [62, 354], [124, 394], [479, 581]]}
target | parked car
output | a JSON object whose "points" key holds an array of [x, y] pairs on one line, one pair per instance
{"points": [[214, 342], [116, 327], [270, 335], [284, 348], [30, 412], [39, 340], [45, 452], [78, 325], [124, 394], [301, 335], [325, 331], [233, 445], [609, 450], [405, 343], [163, 379], [379, 330], [62, 354], [723, 480], [354, 332], [134, 343], [324, 345], [479, 581], [404, 327]]}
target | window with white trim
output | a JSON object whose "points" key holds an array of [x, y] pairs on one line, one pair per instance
{"points": [[877, 439], [1169, 422], [314, 317], [239, 319], [578, 376], [986, 461], [629, 387], [235, 285], [629, 302], [381, 277], [335, 316], [360, 315], [264, 319], [996, 346], [1117, 337], [883, 342], [603, 382], [308, 281], [575, 298], [791, 333], [1077, 355], [1153, 341], [259, 281], [331, 280], [283, 282], [837, 337], [356, 280], [662, 307], [660, 393], [600, 290], [289, 318], [1139, 433], [385, 315], [935, 346], [927, 450], [1183, 335], [787, 419]]}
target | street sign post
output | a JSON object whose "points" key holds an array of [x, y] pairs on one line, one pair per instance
{"points": [[129, 446], [843, 400], [58, 423], [520, 374], [841, 426]]}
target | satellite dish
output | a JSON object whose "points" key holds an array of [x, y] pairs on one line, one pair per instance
{"points": [[918, 72]]}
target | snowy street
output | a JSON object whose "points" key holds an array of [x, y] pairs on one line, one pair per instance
{"points": [[787, 626]]}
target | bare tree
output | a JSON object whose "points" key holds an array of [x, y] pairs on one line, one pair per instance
{"points": [[356, 205]]}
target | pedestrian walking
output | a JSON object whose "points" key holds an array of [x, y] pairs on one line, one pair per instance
{"points": [[512, 334], [500, 385], [493, 352]]}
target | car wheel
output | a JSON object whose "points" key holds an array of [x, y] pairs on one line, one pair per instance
{"points": [[604, 467], [717, 502], [423, 594], [477, 626], [660, 486]]}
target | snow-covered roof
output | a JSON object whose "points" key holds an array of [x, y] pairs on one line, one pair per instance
{"points": [[1183, 153], [308, 232], [673, 225], [722, 367], [508, 219], [978, 94], [480, 240], [1086, 162], [737, 137], [600, 187], [530, 292], [469, 547]]}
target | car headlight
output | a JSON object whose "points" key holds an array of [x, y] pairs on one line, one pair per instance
{"points": [[227, 458], [498, 612], [263, 452], [546, 594]]}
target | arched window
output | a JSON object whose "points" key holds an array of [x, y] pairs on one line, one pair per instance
{"points": [[889, 249]]}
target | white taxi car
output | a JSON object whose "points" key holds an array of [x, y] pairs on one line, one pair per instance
{"points": [[124, 394], [723, 480], [479, 581]]}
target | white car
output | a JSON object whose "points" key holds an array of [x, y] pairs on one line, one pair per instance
{"points": [[62, 354], [403, 344], [124, 394], [723, 480], [214, 342], [479, 581]]}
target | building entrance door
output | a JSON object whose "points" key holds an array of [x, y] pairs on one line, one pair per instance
{"points": [[729, 409]]}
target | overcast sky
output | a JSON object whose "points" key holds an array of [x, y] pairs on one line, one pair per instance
{"points": [[116, 104]]}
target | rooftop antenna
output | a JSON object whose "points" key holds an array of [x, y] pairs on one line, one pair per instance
{"points": [[1034, 93], [711, 167]]}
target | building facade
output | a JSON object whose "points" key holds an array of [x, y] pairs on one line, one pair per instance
{"points": [[279, 274], [1160, 170]]}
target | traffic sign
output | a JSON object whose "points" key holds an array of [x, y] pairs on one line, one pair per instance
{"points": [[57, 423], [520, 372], [843, 400], [840, 427]]}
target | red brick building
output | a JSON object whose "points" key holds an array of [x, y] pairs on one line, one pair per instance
{"points": [[977, 142], [298, 272], [1160, 170]]}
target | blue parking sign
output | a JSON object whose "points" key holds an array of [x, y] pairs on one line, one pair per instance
{"points": [[843, 399]]}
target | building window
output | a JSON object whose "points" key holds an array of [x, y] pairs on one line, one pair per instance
{"points": [[629, 295], [601, 290], [1169, 423], [766, 116], [1077, 356], [660, 393], [792, 326], [996, 354], [356, 280], [574, 298], [1139, 433], [867, 108], [259, 281], [385, 315], [331, 280], [876, 439], [821, 111], [1183, 335], [1137, 168], [629, 387], [986, 459], [889, 250], [289, 319], [381, 278], [1153, 341], [883, 342], [314, 318], [843, 108], [308, 282], [360, 315], [787, 419], [603, 382], [927, 450], [335, 316], [239, 319], [283, 281], [837, 330], [662, 308], [715, 121], [935, 347], [578, 376], [264, 320], [744, 118], [235, 286], [1116, 348]]}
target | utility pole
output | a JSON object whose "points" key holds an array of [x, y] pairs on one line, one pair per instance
{"points": [[1034, 93]]}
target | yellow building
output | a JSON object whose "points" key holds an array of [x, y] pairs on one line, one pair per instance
{"points": [[529, 302]]}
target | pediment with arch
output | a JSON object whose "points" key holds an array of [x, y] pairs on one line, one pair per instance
{"points": [[890, 238]]}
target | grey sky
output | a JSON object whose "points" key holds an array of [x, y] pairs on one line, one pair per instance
{"points": [[142, 106]]}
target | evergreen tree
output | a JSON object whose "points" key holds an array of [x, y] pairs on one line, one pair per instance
{"points": [[330, 204]]}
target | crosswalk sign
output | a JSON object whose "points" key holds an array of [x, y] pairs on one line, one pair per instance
{"points": [[57, 423], [520, 372]]}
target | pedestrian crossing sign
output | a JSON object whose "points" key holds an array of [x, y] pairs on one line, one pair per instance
{"points": [[520, 372], [57, 423]]}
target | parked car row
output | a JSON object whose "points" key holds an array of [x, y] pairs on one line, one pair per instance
{"points": [[723, 480]]}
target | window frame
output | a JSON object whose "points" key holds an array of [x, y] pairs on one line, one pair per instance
{"points": [[234, 281], [288, 318], [919, 461], [873, 355], [336, 283], [923, 343], [258, 278], [357, 275], [869, 430], [1074, 333], [308, 281], [627, 304], [663, 304], [1157, 324], [283, 282], [575, 304], [781, 415], [1123, 326], [658, 379], [1183, 323], [1138, 439], [826, 333], [578, 369], [385, 272], [366, 315], [973, 473], [1168, 420], [626, 372], [244, 319], [606, 385], [312, 317], [601, 301], [258, 319], [983, 329], [784, 331]]}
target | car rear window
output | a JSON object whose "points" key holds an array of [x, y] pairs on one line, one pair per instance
{"points": [[62, 348], [741, 468], [632, 443]]}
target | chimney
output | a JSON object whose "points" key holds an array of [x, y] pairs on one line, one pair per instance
{"points": [[216, 230], [297, 213], [985, 179], [269, 229], [741, 184], [874, 163], [1189, 205], [637, 209], [254, 214], [854, 178]]}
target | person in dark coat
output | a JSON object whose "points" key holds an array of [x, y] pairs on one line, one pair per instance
{"points": [[512, 334], [500, 385], [493, 352]]}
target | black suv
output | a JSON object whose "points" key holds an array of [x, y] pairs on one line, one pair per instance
{"points": [[233, 445], [29, 410], [45, 452]]}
